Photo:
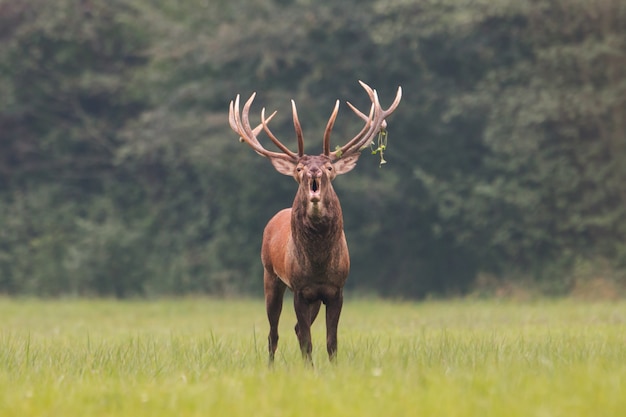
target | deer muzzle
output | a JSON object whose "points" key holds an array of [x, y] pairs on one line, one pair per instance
{"points": [[315, 186]]}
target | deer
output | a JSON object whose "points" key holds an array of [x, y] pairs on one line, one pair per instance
{"points": [[304, 247]]}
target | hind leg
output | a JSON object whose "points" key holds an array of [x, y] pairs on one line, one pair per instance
{"points": [[274, 291]]}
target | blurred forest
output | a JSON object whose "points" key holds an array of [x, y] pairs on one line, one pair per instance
{"points": [[119, 174]]}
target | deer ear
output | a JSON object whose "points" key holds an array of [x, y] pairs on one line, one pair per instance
{"points": [[343, 165], [283, 166]]}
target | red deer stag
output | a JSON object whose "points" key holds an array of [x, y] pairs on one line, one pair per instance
{"points": [[304, 247]]}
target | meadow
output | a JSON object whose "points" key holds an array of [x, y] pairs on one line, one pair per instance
{"points": [[207, 357]]}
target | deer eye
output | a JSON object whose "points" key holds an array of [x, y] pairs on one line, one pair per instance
{"points": [[330, 168], [299, 169]]}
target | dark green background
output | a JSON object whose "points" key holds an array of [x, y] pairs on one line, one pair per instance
{"points": [[119, 174]]}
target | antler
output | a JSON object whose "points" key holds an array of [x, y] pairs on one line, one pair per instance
{"points": [[240, 123], [374, 123]]}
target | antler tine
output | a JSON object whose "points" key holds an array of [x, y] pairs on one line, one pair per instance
{"points": [[245, 135], [271, 135], [374, 123], [364, 132], [233, 123], [329, 128], [396, 102], [231, 114], [240, 123], [296, 125], [358, 112], [264, 122], [245, 119]]}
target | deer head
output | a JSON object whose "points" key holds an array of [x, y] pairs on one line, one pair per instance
{"points": [[314, 173]]}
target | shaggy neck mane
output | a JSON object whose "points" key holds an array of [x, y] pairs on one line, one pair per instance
{"points": [[317, 235]]}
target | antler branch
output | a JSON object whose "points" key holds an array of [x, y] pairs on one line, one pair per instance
{"points": [[240, 123], [374, 123]]}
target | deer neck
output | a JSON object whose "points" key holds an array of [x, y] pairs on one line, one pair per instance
{"points": [[317, 227]]}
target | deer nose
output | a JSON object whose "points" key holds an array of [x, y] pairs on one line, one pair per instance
{"points": [[315, 172]]}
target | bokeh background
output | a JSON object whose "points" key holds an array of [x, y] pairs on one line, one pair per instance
{"points": [[119, 174]]}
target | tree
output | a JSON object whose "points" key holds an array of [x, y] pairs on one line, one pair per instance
{"points": [[119, 173], [549, 107], [67, 87]]}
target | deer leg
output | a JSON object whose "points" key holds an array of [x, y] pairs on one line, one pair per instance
{"points": [[274, 292], [303, 328], [314, 309], [333, 311]]}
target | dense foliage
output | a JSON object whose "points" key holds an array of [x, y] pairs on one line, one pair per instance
{"points": [[120, 176]]}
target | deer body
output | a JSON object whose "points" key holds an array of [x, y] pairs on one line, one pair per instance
{"points": [[304, 247], [308, 258]]}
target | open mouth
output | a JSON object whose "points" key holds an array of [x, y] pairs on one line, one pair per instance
{"points": [[314, 190]]}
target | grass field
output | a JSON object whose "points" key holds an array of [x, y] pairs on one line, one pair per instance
{"points": [[204, 357]]}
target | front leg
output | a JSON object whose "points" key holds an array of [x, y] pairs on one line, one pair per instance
{"points": [[303, 328], [274, 290], [334, 305]]}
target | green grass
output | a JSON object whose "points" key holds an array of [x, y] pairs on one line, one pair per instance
{"points": [[204, 357]]}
